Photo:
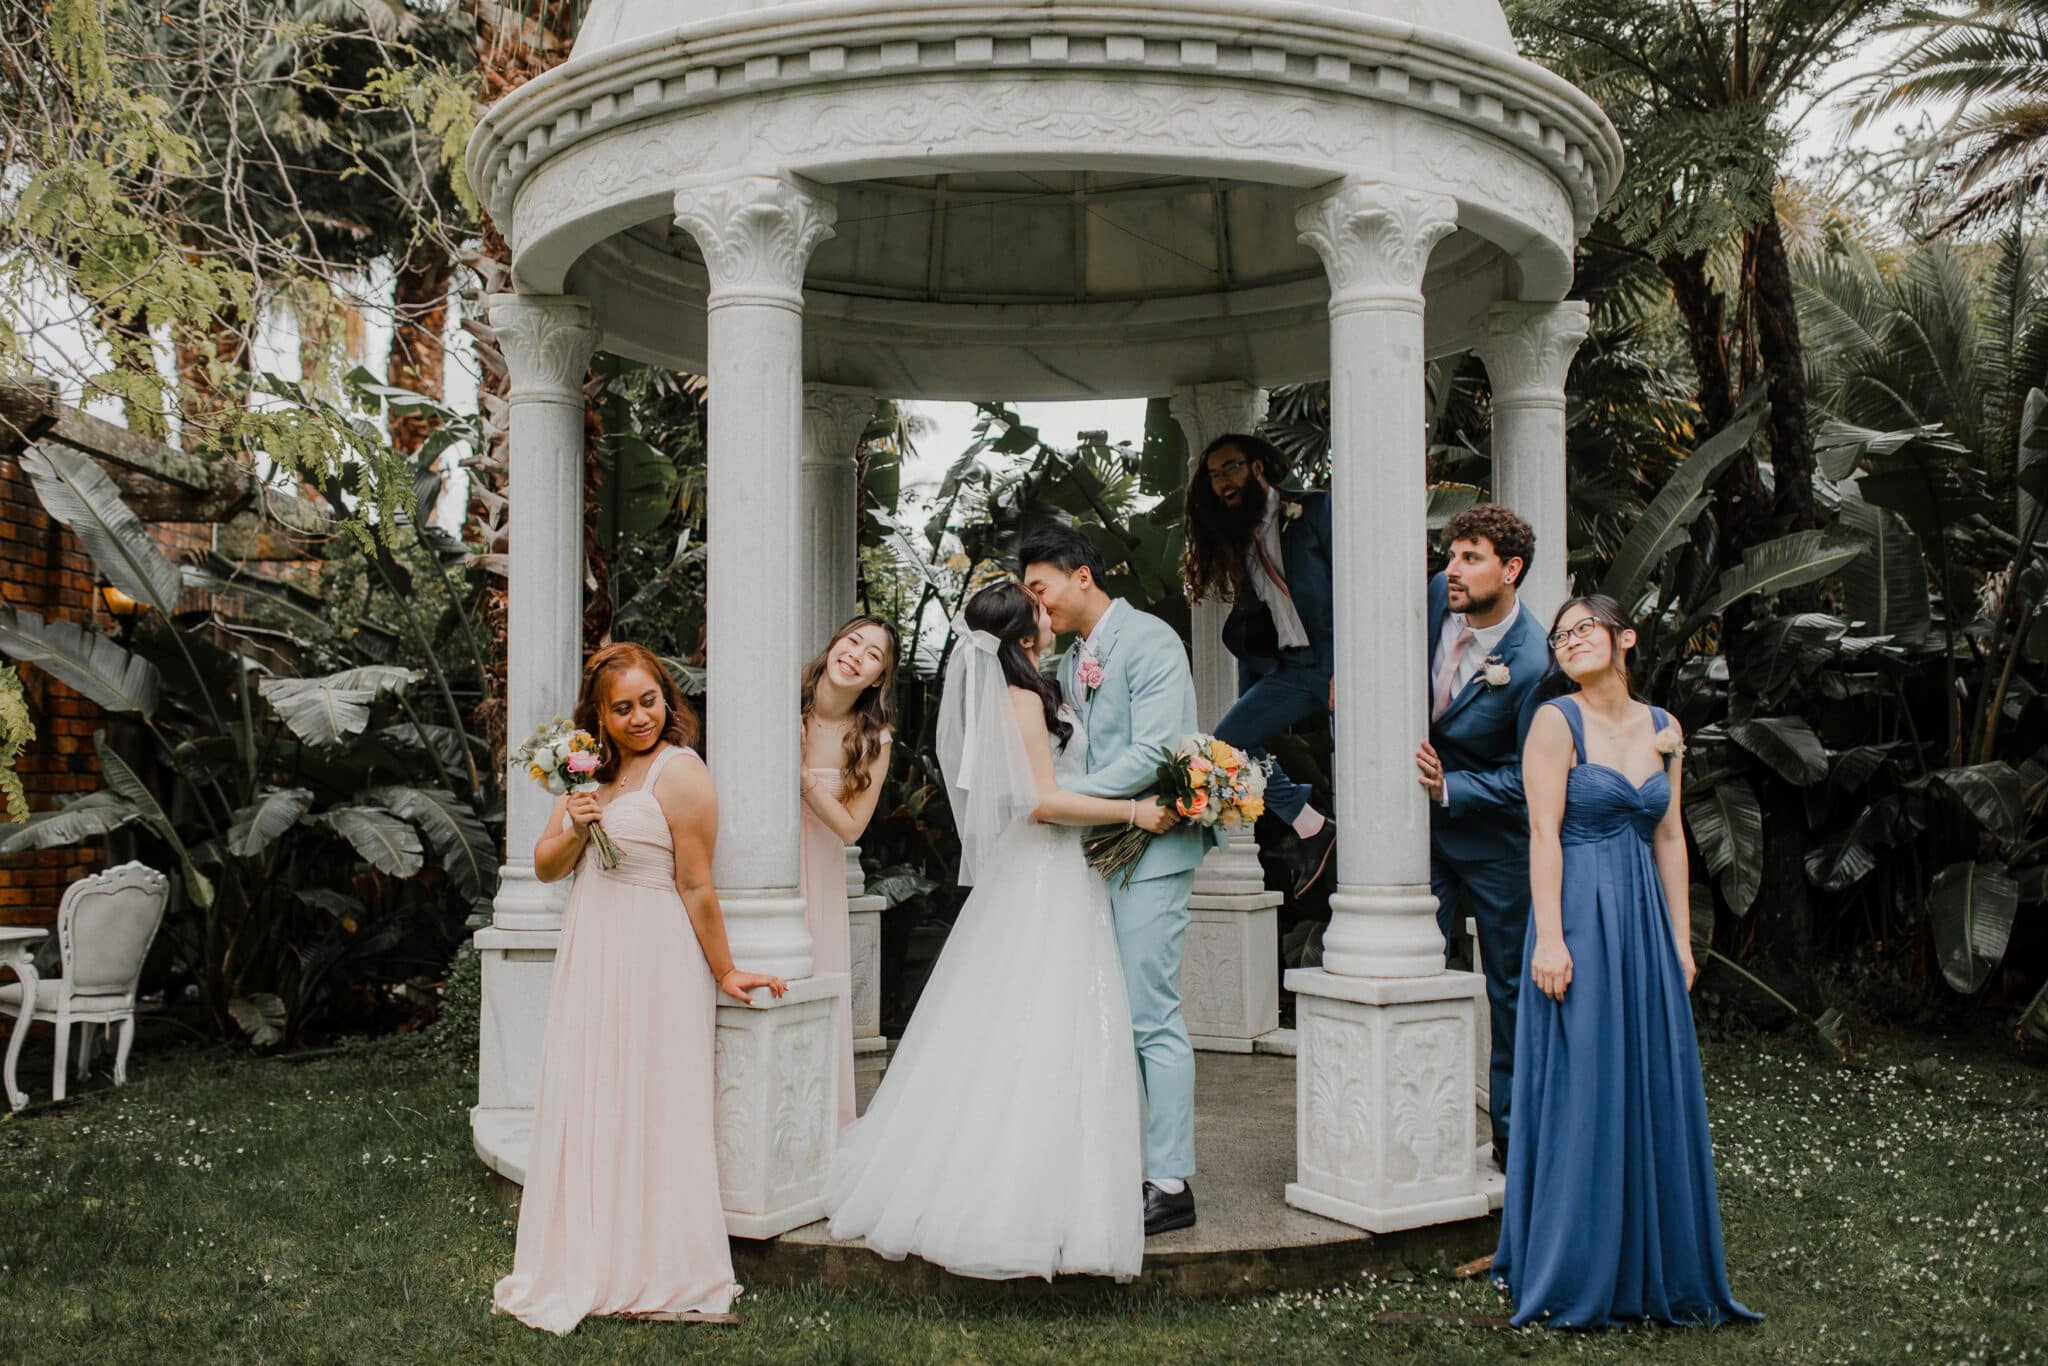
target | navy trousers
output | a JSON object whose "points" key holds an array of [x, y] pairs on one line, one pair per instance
{"points": [[1270, 705], [1499, 889]]}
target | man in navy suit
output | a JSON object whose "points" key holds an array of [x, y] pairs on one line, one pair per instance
{"points": [[1266, 550], [1487, 657]]}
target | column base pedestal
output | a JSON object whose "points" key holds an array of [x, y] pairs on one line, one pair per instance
{"points": [[864, 933], [1230, 968], [1383, 1103], [777, 1105]]}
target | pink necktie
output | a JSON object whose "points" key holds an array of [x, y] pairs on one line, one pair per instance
{"points": [[1450, 673]]}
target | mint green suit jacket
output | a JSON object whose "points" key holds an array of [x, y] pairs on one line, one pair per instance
{"points": [[1146, 702]]}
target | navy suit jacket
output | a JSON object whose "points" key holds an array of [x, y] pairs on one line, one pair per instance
{"points": [[1306, 545], [1479, 738]]}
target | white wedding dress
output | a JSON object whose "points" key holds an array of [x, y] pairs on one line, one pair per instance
{"points": [[1006, 1138]]}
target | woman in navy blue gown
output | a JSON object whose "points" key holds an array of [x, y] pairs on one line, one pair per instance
{"points": [[1611, 1211]]}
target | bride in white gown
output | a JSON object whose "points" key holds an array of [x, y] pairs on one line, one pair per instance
{"points": [[1005, 1139]]}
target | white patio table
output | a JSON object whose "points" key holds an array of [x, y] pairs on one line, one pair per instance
{"points": [[18, 951]]}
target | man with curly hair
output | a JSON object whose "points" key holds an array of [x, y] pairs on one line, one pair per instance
{"points": [[1487, 657]]}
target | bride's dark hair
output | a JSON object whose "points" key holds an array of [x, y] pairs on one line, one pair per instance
{"points": [[1010, 614]]}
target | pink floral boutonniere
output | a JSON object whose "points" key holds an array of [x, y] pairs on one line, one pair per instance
{"points": [[1088, 673]]}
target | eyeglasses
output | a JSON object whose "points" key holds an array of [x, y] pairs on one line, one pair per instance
{"points": [[1583, 629], [1228, 470]]}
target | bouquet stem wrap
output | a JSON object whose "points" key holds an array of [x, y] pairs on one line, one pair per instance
{"points": [[560, 758]]}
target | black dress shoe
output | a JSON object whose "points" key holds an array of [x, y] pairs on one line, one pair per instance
{"points": [[1500, 1153], [1317, 852], [1164, 1213]]}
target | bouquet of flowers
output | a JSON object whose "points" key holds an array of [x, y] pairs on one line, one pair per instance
{"points": [[561, 759], [1207, 781]]}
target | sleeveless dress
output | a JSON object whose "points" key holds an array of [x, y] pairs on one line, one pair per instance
{"points": [[621, 1211], [1611, 1211], [823, 888], [1005, 1140]]}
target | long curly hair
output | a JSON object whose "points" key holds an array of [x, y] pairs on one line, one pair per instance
{"points": [[1212, 562], [1008, 612], [679, 727], [874, 711]]}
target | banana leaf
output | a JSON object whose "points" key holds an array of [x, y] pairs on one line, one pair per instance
{"points": [[1787, 562], [79, 494], [84, 660], [257, 825], [90, 817], [1787, 744], [384, 841], [1667, 521], [326, 710], [1994, 793], [1887, 584], [1728, 825], [1970, 907], [461, 844]]}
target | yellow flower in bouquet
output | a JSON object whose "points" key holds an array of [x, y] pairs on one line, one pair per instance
{"points": [[1207, 781]]}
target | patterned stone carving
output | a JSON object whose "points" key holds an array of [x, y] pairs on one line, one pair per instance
{"points": [[1082, 114], [1431, 1105], [757, 233], [1338, 1135], [803, 1102], [1375, 239], [865, 942], [622, 164], [1489, 171], [1211, 976], [547, 341], [1529, 348], [738, 1146], [834, 419]]}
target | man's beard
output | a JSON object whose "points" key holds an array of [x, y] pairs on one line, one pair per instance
{"points": [[1476, 606], [1238, 523]]}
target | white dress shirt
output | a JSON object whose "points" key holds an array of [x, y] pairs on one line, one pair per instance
{"points": [[1485, 641], [1286, 621]]}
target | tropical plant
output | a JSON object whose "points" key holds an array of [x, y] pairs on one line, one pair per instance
{"points": [[1989, 66], [301, 763]]}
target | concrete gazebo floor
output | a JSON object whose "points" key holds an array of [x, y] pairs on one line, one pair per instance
{"points": [[1249, 1240]]}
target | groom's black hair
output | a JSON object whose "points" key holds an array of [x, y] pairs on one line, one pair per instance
{"points": [[1064, 548]]}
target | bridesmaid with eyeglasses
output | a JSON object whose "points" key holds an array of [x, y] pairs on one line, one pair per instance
{"points": [[1611, 1209]]}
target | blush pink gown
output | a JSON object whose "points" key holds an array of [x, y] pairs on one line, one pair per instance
{"points": [[621, 1212], [824, 893]]}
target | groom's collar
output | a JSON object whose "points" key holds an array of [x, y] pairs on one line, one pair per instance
{"points": [[1100, 636]]}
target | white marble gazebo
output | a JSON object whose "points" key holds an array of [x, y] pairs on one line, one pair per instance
{"points": [[816, 204]]}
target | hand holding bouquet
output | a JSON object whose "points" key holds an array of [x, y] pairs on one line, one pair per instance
{"points": [[561, 759], [1206, 781]]}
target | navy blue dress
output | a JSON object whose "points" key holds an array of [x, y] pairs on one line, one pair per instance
{"points": [[1611, 1211]]}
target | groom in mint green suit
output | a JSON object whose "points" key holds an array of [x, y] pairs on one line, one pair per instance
{"points": [[1127, 676]]}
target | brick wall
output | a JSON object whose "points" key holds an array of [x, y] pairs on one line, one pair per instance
{"points": [[44, 570]]}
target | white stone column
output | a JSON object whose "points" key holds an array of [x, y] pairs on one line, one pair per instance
{"points": [[1528, 351], [835, 418], [1230, 971], [776, 1063], [1384, 1101], [546, 341]]}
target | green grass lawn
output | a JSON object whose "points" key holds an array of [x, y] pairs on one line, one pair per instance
{"points": [[222, 1209]]}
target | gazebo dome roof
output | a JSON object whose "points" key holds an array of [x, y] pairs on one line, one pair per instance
{"points": [[1045, 201], [610, 22]]}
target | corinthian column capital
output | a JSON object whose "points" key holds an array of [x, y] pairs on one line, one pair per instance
{"points": [[757, 233], [1374, 239], [1207, 411], [834, 419], [546, 340], [1529, 348]]}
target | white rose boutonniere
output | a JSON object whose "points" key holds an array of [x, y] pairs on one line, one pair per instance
{"points": [[1496, 673], [1291, 510]]}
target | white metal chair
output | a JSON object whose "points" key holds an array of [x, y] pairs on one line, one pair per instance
{"points": [[105, 925]]}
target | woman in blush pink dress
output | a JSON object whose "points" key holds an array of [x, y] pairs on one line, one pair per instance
{"points": [[621, 1213], [848, 703]]}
